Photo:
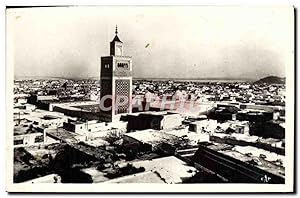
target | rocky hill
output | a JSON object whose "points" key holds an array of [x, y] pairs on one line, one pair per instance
{"points": [[271, 80]]}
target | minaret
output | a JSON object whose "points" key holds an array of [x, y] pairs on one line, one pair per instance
{"points": [[116, 82], [116, 45]]}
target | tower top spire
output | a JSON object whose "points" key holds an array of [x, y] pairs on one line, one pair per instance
{"points": [[116, 37]]}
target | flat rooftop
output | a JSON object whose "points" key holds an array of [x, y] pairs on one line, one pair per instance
{"points": [[152, 136], [90, 108], [249, 138], [86, 106], [144, 177], [257, 152], [171, 169], [63, 135], [52, 178], [260, 162]]}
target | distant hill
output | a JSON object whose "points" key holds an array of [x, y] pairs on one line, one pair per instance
{"points": [[52, 78], [38, 78], [271, 80]]}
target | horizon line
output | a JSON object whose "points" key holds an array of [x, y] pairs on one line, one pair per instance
{"points": [[142, 78]]}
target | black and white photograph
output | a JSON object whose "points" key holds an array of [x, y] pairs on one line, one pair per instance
{"points": [[130, 98]]}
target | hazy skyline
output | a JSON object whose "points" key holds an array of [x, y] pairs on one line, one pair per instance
{"points": [[165, 42]]}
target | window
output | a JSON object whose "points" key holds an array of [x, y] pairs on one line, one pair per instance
{"points": [[123, 65], [106, 66], [17, 142], [38, 139]]}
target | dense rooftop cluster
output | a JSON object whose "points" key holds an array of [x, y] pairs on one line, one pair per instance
{"points": [[58, 136]]}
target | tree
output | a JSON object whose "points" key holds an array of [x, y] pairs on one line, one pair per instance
{"points": [[114, 136]]}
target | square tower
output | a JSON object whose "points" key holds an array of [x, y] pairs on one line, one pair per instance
{"points": [[116, 82]]}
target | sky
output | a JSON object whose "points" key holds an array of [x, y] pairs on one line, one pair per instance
{"points": [[165, 42]]}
